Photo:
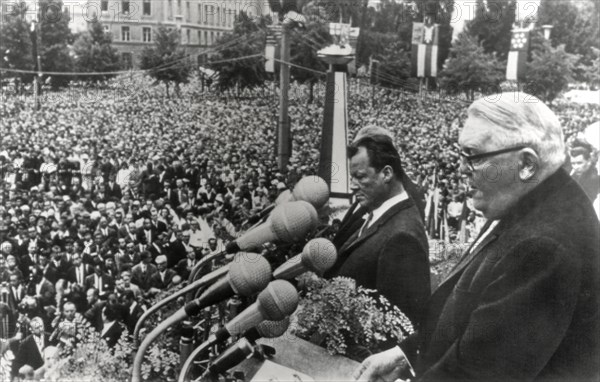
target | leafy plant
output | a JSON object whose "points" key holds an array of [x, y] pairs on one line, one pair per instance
{"points": [[342, 315]]}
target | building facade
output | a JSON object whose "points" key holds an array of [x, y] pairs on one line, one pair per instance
{"points": [[201, 23]]}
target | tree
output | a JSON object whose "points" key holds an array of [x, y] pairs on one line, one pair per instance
{"points": [[549, 71], [469, 69], [15, 44], [94, 52], [246, 40], [492, 25], [575, 25], [166, 61], [54, 37], [303, 52]]}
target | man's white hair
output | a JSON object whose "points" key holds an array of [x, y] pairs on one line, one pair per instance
{"points": [[524, 120]]}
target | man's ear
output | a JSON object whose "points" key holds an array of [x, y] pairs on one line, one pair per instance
{"points": [[388, 174], [529, 165]]}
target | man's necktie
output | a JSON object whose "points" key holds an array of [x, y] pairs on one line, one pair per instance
{"points": [[365, 224]]}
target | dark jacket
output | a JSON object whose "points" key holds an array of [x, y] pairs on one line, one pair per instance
{"points": [[524, 304], [391, 257]]}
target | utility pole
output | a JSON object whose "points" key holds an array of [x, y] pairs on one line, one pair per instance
{"points": [[283, 149], [38, 76]]}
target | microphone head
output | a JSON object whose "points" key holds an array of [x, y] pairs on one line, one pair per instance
{"points": [[319, 255], [292, 221], [312, 189], [273, 329], [284, 197], [314, 215], [278, 300], [249, 273]]}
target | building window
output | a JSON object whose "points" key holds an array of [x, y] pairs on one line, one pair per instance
{"points": [[188, 36], [127, 60], [199, 14], [188, 12], [147, 34], [178, 7], [205, 42], [147, 8], [212, 38], [125, 5], [170, 10], [125, 33], [104, 5], [218, 16], [199, 37]]}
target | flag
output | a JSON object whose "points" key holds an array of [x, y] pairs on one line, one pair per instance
{"points": [[517, 55], [425, 40]]}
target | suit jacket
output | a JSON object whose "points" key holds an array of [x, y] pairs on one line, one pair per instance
{"points": [[391, 257], [176, 252], [590, 182], [108, 283], [140, 278], [29, 354], [133, 317], [156, 282], [112, 335], [72, 273], [524, 304]]}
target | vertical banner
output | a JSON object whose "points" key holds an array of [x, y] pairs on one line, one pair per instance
{"points": [[425, 41], [517, 55]]}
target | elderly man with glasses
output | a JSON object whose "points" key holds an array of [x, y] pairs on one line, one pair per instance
{"points": [[523, 302]]}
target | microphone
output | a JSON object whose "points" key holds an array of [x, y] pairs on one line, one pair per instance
{"points": [[232, 356], [277, 301], [266, 329], [288, 222], [312, 189], [248, 273], [318, 255], [246, 346]]}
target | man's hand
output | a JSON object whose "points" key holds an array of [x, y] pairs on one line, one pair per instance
{"points": [[384, 366]]}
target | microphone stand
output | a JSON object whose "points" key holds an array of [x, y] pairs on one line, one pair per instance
{"points": [[185, 369], [206, 280]]}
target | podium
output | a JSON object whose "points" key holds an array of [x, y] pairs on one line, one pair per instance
{"points": [[301, 356]]}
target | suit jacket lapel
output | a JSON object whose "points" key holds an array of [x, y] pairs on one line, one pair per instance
{"points": [[354, 240], [473, 252]]}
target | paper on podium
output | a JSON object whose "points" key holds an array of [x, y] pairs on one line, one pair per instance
{"points": [[272, 372], [302, 358]]}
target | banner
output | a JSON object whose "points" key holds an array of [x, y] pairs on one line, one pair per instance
{"points": [[517, 55], [425, 41]]}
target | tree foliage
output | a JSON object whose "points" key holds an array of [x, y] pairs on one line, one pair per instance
{"points": [[247, 39], [54, 36], [470, 69], [549, 71], [94, 53], [166, 61], [303, 52], [15, 44], [492, 25]]}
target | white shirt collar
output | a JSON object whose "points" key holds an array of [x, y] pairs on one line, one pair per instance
{"points": [[385, 206]]}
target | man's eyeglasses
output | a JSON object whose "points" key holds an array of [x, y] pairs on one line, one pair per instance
{"points": [[469, 159]]}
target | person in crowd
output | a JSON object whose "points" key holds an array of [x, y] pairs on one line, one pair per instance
{"points": [[523, 302], [584, 170], [31, 349], [389, 253]]}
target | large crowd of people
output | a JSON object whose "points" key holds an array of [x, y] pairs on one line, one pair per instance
{"points": [[107, 201]]}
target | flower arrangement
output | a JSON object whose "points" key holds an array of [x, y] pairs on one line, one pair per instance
{"points": [[338, 314]]}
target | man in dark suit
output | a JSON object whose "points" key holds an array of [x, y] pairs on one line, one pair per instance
{"points": [[162, 279], [101, 281], [523, 302], [142, 272], [30, 350], [111, 327], [78, 272], [584, 172], [389, 252]]}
